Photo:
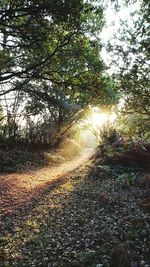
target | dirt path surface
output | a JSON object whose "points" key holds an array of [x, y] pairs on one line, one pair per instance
{"points": [[19, 190], [78, 222]]}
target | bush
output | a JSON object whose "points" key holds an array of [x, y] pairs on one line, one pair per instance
{"points": [[109, 135], [126, 178]]}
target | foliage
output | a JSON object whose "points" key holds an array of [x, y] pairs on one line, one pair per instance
{"points": [[57, 47], [49, 44], [130, 55], [126, 178], [108, 134], [105, 169], [133, 127]]}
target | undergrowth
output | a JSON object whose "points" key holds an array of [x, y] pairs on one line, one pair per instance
{"points": [[20, 160]]}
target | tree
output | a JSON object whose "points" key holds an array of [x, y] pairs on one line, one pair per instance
{"points": [[129, 52], [55, 41], [38, 37], [50, 53], [131, 57], [28, 27]]}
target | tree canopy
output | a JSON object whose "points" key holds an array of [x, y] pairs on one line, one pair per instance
{"points": [[50, 58], [130, 56], [53, 41], [50, 54]]}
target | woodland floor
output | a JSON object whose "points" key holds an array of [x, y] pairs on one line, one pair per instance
{"points": [[74, 215]]}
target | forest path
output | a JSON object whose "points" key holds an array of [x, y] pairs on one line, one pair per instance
{"points": [[77, 216], [20, 190]]}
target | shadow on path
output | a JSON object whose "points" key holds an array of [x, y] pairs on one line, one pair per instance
{"points": [[23, 190], [77, 223]]}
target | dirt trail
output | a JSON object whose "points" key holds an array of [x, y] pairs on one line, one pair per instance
{"points": [[19, 190]]}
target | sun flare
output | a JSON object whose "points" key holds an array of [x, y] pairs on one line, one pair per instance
{"points": [[99, 119], [94, 122]]}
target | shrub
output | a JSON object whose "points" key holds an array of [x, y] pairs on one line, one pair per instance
{"points": [[126, 178]]}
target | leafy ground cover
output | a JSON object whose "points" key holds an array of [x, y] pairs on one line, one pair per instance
{"points": [[22, 189], [79, 222], [26, 159], [17, 160]]}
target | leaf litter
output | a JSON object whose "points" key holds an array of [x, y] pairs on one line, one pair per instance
{"points": [[78, 223]]}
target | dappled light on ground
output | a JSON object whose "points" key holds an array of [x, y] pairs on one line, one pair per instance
{"points": [[20, 190], [78, 223]]}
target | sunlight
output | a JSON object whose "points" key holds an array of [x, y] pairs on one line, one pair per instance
{"points": [[95, 120], [99, 118], [112, 117], [88, 129]]}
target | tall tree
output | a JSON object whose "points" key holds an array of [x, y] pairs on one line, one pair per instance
{"points": [[130, 55], [50, 52], [56, 42]]}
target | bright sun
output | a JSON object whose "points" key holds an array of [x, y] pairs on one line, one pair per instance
{"points": [[99, 119], [95, 121]]}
